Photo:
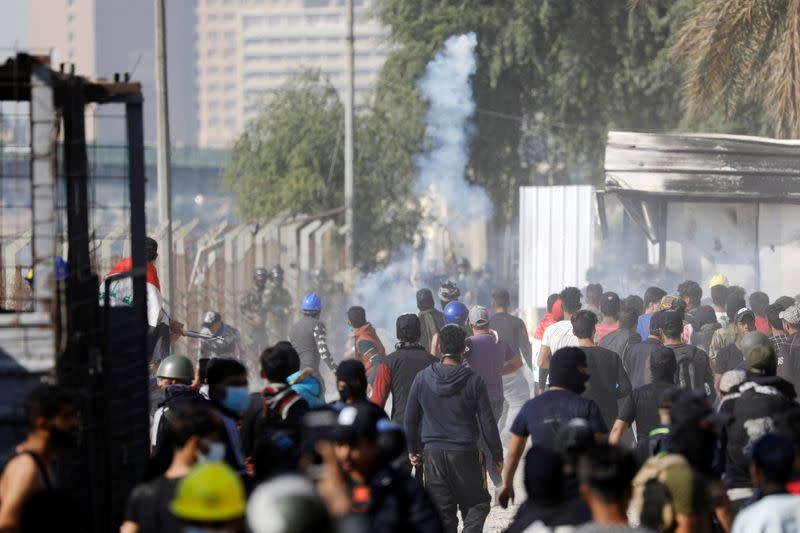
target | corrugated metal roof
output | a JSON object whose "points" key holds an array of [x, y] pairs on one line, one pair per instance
{"points": [[703, 166]]}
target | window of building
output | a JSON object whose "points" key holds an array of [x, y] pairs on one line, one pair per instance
{"points": [[230, 104], [212, 17], [230, 123], [229, 35], [213, 70], [70, 18], [212, 36], [71, 36], [228, 16], [212, 52], [213, 122]]}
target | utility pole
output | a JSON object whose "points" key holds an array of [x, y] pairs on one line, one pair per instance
{"points": [[163, 151], [349, 171]]}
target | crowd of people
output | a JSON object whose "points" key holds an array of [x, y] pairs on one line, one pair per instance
{"points": [[664, 412]]}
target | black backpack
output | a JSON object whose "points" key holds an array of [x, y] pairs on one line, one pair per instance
{"points": [[691, 375]]}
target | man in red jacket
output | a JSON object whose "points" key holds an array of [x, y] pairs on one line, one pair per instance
{"points": [[368, 346]]}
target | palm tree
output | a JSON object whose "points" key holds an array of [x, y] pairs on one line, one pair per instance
{"points": [[735, 50]]}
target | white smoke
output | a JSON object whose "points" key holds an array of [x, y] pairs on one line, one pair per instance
{"points": [[447, 89], [451, 202]]}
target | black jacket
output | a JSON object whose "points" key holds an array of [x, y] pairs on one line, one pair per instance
{"points": [[761, 398], [287, 410], [399, 503], [396, 375], [441, 411]]}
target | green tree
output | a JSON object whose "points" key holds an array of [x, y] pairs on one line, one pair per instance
{"points": [[287, 157], [291, 157], [740, 55]]}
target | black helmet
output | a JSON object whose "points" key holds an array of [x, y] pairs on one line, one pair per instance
{"points": [[260, 276], [276, 273], [463, 263], [449, 292]]}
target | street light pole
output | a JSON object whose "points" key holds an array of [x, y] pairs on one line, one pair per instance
{"points": [[163, 152], [349, 171]]}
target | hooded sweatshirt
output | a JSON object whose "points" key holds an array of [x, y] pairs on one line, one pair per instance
{"points": [[441, 412]]}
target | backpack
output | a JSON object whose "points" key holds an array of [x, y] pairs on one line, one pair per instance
{"points": [[651, 506], [690, 376]]}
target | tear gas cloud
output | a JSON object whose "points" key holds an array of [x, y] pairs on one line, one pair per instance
{"points": [[446, 88]]}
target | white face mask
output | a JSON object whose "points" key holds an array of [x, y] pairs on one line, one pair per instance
{"points": [[216, 452]]}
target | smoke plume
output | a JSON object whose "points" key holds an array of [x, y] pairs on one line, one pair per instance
{"points": [[449, 200]]}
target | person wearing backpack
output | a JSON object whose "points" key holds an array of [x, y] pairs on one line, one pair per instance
{"points": [[678, 490], [277, 410], [694, 368]]}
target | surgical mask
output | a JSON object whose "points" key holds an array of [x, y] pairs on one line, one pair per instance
{"points": [[216, 452], [236, 398]]}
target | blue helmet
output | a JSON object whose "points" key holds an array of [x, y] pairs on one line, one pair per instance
{"points": [[456, 313], [311, 303]]}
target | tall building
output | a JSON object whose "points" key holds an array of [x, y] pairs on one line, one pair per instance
{"points": [[247, 49], [102, 37]]}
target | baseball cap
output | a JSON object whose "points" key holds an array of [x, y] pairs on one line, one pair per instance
{"points": [[479, 316], [761, 360], [791, 314], [743, 313], [718, 279], [211, 317], [357, 421], [688, 406]]}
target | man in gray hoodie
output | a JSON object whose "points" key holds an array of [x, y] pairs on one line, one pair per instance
{"points": [[443, 430]]}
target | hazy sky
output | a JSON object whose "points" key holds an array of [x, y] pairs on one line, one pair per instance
{"points": [[13, 26]]}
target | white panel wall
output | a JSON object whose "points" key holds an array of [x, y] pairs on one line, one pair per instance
{"points": [[779, 242], [557, 226]]}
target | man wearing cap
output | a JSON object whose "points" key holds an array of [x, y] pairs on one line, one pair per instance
{"points": [[762, 396], [490, 358], [731, 356], [727, 335], [402, 366], [392, 500], [448, 410], [789, 356], [226, 341]]}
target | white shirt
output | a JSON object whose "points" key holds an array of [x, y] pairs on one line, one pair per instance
{"points": [[779, 513], [559, 335]]}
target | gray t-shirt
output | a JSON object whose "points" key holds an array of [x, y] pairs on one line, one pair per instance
{"points": [[594, 527]]}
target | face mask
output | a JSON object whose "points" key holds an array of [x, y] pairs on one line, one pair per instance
{"points": [[216, 452], [235, 398], [61, 438]]}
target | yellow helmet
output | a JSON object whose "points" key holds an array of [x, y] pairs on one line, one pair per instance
{"points": [[718, 279], [210, 492]]}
